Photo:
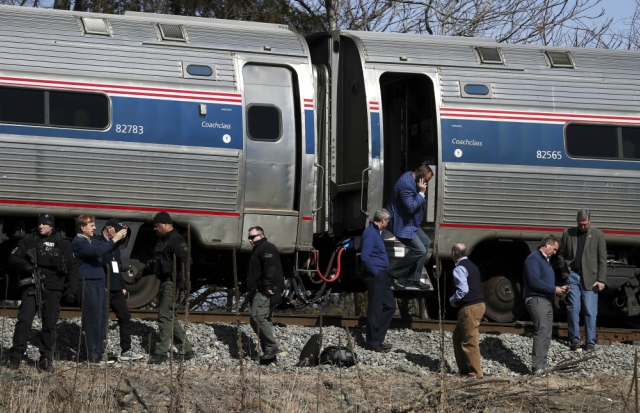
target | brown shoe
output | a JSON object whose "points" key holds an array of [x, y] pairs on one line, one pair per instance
{"points": [[470, 377], [589, 347], [378, 349], [386, 345], [574, 345]]}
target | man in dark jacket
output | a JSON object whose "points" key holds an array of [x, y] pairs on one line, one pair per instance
{"points": [[265, 281], [583, 261], [46, 251], [92, 286], [382, 304], [117, 288], [539, 289], [468, 296], [170, 244]]}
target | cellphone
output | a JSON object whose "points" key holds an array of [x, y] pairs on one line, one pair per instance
{"points": [[419, 177]]}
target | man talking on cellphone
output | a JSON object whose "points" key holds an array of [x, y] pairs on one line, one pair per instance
{"points": [[406, 208]]}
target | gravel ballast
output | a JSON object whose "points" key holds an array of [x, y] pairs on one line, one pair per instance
{"points": [[215, 345]]}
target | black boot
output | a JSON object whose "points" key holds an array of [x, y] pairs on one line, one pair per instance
{"points": [[45, 364]]}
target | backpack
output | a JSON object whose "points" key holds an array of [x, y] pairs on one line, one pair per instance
{"points": [[310, 352], [337, 356]]}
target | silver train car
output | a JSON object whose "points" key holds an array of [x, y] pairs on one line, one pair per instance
{"points": [[227, 125], [520, 138]]}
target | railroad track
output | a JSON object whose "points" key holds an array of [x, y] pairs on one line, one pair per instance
{"points": [[603, 335]]}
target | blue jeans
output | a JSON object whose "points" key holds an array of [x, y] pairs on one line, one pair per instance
{"points": [[581, 296], [417, 255]]}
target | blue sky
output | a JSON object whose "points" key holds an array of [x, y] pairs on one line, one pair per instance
{"points": [[618, 9]]}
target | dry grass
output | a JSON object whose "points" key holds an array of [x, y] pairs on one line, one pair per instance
{"points": [[138, 388]]}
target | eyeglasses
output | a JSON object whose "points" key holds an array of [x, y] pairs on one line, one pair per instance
{"points": [[555, 250], [251, 237]]}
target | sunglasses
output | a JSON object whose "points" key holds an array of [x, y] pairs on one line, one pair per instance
{"points": [[251, 237]]}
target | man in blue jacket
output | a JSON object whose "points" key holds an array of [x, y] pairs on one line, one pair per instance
{"points": [[406, 208], [382, 305], [539, 289], [92, 287], [112, 264]]}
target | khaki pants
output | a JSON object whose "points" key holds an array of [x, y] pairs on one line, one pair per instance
{"points": [[465, 339], [261, 311], [165, 314]]}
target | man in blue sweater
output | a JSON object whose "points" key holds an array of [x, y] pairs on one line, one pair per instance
{"points": [[382, 305], [539, 289], [92, 287]]}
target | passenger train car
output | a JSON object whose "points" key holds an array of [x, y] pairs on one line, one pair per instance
{"points": [[227, 125]]}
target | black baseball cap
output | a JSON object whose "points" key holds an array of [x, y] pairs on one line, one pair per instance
{"points": [[46, 219], [115, 223]]}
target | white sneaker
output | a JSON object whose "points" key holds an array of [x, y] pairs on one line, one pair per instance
{"points": [[130, 356]]}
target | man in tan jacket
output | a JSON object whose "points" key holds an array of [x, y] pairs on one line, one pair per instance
{"points": [[583, 261]]}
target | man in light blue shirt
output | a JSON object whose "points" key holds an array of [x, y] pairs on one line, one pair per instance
{"points": [[468, 296]]}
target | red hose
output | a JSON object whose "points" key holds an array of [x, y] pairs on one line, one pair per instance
{"points": [[329, 280]]}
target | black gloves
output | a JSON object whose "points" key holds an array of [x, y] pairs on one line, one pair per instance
{"points": [[68, 298]]}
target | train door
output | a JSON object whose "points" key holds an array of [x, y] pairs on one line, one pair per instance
{"points": [[271, 152], [410, 133]]}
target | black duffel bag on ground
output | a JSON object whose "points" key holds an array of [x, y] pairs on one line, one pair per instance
{"points": [[310, 352], [341, 357]]}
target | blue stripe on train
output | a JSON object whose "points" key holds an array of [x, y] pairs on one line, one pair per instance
{"points": [[375, 135], [514, 143], [309, 131], [161, 121]]}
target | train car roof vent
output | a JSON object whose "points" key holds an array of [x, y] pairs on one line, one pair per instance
{"points": [[96, 26], [489, 55], [173, 32], [560, 59]]}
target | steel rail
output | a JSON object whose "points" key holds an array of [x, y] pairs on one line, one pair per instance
{"points": [[603, 335]]}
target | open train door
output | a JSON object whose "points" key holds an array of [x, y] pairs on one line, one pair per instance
{"points": [[409, 126], [270, 194]]}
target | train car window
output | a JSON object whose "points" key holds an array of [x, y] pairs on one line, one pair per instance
{"points": [[630, 143], [592, 141], [264, 123], [78, 110], [476, 89], [199, 70], [24, 106]]}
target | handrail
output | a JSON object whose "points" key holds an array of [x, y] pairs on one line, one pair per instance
{"points": [[362, 191]]}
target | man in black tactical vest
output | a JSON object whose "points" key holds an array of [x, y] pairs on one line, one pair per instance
{"points": [[45, 259], [265, 281], [468, 296], [169, 244]]}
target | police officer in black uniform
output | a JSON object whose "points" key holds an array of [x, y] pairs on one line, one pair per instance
{"points": [[265, 282], [55, 262], [169, 244]]}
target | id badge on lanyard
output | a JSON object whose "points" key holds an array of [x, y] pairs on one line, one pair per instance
{"points": [[114, 267]]}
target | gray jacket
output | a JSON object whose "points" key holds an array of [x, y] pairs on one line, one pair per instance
{"points": [[594, 256]]}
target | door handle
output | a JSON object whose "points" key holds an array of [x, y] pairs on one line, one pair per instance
{"points": [[362, 191], [317, 165]]}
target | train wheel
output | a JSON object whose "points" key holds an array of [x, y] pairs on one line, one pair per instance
{"points": [[503, 293], [145, 290]]}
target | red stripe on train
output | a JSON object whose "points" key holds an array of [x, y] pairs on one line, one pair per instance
{"points": [[94, 85], [117, 207], [539, 229], [304, 218]]}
